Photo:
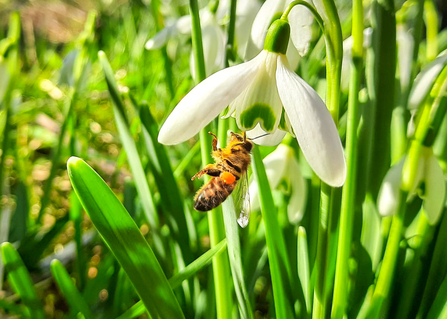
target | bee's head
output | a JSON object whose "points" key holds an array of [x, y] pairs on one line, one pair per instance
{"points": [[242, 140]]}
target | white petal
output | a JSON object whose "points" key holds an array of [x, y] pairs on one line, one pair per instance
{"points": [[434, 198], [200, 106], [263, 19], [313, 126], [246, 11], [275, 168], [389, 193], [293, 56], [424, 81], [259, 102], [159, 40], [268, 140], [184, 24], [298, 195], [300, 19], [405, 56]]}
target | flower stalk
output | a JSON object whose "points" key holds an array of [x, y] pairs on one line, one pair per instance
{"points": [[221, 269], [428, 126], [340, 297], [334, 56]]}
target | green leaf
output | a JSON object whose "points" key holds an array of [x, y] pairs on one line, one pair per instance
{"points": [[124, 239], [69, 290], [303, 267], [234, 254], [185, 274], [129, 144], [20, 280], [439, 307], [167, 186], [279, 264]]}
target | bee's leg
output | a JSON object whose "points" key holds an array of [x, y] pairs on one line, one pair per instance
{"points": [[209, 169], [214, 141]]}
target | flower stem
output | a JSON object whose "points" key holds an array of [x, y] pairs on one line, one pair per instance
{"points": [[311, 8], [221, 269], [158, 18], [229, 50], [348, 197], [381, 291], [334, 55], [432, 24]]}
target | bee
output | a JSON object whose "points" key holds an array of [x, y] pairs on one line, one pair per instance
{"points": [[231, 164]]}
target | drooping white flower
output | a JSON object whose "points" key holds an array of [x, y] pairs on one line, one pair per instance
{"points": [[429, 186], [213, 37], [266, 95], [281, 165], [300, 19]]}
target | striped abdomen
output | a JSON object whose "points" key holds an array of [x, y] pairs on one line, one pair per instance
{"points": [[212, 194]]}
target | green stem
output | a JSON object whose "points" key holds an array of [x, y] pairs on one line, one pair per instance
{"points": [[221, 268], [196, 36], [386, 275], [340, 297], [311, 8], [432, 24], [334, 55], [229, 51], [159, 24]]}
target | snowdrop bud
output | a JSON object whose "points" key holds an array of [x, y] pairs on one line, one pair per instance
{"points": [[278, 36]]}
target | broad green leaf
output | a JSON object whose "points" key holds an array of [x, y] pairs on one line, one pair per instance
{"points": [[185, 274], [69, 290], [234, 254], [129, 144], [124, 239], [20, 280], [167, 186], [279, 264]]}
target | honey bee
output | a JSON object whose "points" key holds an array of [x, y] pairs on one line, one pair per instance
{"points": [[231, 164]]}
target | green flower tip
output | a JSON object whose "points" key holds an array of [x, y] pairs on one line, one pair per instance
{"points": [[277, 38]]}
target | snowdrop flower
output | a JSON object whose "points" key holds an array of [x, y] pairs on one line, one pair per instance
{"points": [[281, 165], [300, 19], [405, 44], [429, 186], [264, 94], [213, 40]]}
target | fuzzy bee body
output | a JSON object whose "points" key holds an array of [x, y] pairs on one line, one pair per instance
{"points": [[231, 163]]}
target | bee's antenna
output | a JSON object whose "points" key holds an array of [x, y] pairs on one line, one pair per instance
{"points": [[245, 136], [251, 139]]}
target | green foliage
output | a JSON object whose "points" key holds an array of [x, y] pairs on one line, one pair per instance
{"points": [[74, 244]]}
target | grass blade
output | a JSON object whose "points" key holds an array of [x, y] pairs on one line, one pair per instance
{"points": [[124, 239], [69, 290], [21, 281], [234, 254], [185, 274], [128, 143]]}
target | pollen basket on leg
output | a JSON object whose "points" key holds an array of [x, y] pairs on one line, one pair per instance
{"points": [[259, 102]]}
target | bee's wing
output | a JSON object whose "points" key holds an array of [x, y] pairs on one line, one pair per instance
{"points": [[242, 201]]}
